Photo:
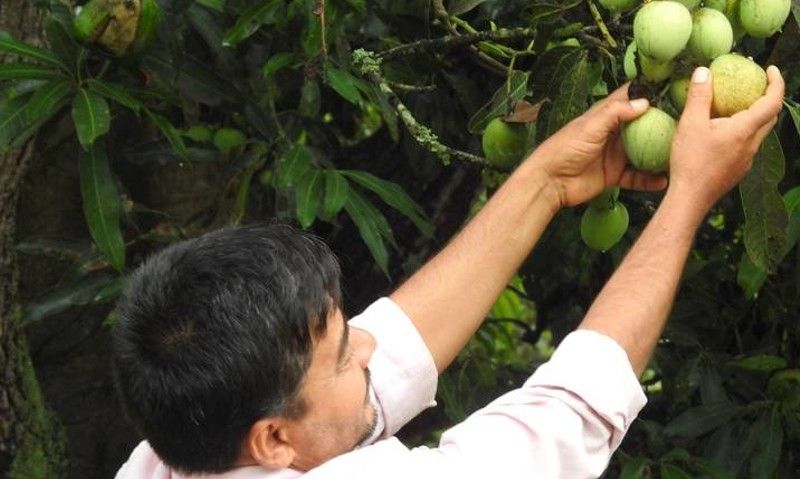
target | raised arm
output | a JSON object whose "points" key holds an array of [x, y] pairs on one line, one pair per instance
{"points": [[709, 157], [448, 298]]}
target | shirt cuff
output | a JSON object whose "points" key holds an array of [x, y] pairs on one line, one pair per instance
{"points": [[402, 370], [595, 368]]}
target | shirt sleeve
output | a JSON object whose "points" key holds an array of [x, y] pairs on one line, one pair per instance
{"points": [[564, 422], [402, 370]]}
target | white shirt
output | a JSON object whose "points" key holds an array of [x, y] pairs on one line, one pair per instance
{"points": [[564, 422]]}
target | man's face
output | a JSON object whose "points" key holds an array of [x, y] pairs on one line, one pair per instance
{"points": [[339, 415]]}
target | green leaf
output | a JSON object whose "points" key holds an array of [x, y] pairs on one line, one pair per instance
{"points": [[91, 116], [309, 195], [549, 71], [59, 36], [217, 5], [79, 293], [502, 102], [765, 460], [293, 165], [749, 276], [571, 101], [700, 420], [19, 71], [116, 93], [12, 46], [636, 468], [393, 195], [337, 190], [711, 470], [794, 111], [367, 223], [343, 83], [761, 362], [276, 62], [169, 131], [266, 12], [101, 204], [765, 214], [671, 471], [21, 117]]}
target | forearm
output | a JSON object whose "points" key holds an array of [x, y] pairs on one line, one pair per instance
{"points": [[448, 298], [634, 305]]}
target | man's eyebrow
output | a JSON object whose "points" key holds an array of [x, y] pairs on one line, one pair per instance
{"points": [[343, 342]]}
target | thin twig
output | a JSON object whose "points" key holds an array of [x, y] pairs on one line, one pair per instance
{"points": [[369, 66], [454, 41], [598, 19]]}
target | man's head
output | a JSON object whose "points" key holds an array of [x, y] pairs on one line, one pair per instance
{"points": [[232, 349]]}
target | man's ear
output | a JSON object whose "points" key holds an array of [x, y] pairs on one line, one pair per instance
{"points": [[267, 444]]}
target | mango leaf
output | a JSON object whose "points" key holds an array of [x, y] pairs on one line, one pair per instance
{"points": [[59, 37], [571, 101], [710, 469], [337, 190], [765, 213], [343, 83], [794, 112], [761, 362], [671, 471], [18, 71], [765, 460], [12, 46], [115, 92], [394, 196], [636, 468], [171, 133], [309, 195], [515, 88], [277, 62], [91, 116], [365, 219], [547, 12], [21, 117], [216, 5], [266, 12], [550, 69], [79, 293], [701, 420], [293, 165], [750, 277], [101, 204], [388, 113]]}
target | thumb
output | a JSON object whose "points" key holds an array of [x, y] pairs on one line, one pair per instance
{"points": [[618, 112], [699, 97]]}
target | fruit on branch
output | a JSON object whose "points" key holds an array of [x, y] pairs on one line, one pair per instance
{"points": [[720, 5], [504, 144], [738, 83], [120, 26], [662, 29], [606, 199], [652, 70], [647, 140], [712, 35], [763, 18], [228, 141], [602, 228], [678, 91], [784, 387]]}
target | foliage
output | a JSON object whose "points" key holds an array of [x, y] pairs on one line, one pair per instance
{"points": [[306, 105]]}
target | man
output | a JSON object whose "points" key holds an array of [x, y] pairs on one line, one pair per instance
{"points": [[233, 357]]}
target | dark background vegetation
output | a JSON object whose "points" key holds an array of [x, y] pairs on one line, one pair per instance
{"points": [[105, 159]]}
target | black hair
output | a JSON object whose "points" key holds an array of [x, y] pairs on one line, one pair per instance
{"points": [[216, 332]]}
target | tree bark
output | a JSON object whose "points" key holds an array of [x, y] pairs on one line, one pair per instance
{"points": [[31, 439]]}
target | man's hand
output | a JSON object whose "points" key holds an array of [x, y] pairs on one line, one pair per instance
{"points": [[586, 155], [708, 158], [711, 155]]}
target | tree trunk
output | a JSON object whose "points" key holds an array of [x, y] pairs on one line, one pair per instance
{"points": [[31, 440]]}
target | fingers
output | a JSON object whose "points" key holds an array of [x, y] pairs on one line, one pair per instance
{"points": [[698, 101], [640, 181], [768, 106], [620, 93], [616, 112]]}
